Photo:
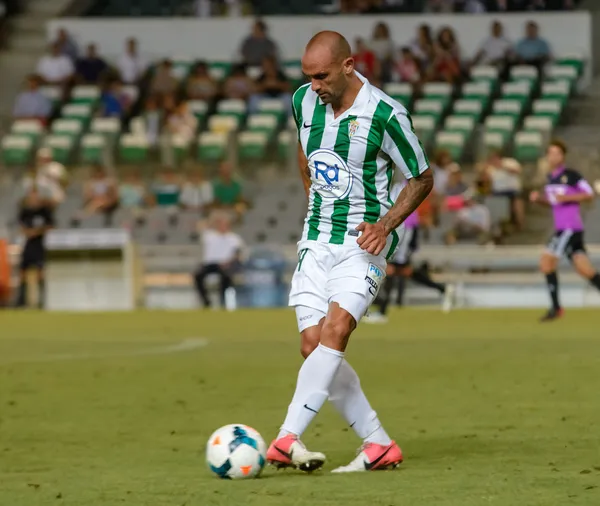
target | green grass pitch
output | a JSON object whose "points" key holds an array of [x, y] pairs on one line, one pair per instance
{"points": [[490, 408]]}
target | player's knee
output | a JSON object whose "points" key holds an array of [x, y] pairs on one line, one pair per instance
{"points": [[337, 330], [307, 347]]}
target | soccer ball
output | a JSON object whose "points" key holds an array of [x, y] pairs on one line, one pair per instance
{"points": [[236, 452]]}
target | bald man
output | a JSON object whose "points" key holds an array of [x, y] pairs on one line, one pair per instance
{"points": [[351, 138]]}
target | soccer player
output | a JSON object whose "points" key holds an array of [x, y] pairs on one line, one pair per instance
{"points": [[564, 192], [350, 137], [400, 266]]}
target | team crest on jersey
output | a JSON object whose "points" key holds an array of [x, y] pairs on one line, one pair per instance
{"points": [[352, 128]]}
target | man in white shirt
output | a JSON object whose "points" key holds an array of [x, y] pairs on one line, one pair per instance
{"points": [[49, 177], [55, 68], [222, 252], [131, 65], [496, 49]]}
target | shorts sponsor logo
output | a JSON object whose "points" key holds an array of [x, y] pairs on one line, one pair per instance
{"points": [[374, 277], [307, 317], [330, 175]]}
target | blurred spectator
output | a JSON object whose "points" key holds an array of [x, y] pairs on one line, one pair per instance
{"points": [[200, 85], [166, 189], [153, 119], [496, 49], [383, 47], [35, 218], [131, 65], [100, 195], [272, 83], [440, 6], [407, 67], [114, 102], [66, 44], [31, 103], [163, 82], [258, 46], [455, 189], [91, 67], [422, 46], [227, 190], [196, 193], [365, 60], [49, 177], [446, 65], [532, 50], [470, 6], [502, 177], [442, 166], [207, 8], [132, 193], [180, 129], [473, 221], [238, 85], [55, 68], [222, 254]]}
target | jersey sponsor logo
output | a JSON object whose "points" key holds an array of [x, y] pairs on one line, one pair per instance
{"points": [[352, 127], [330, 175], [374, 277]]}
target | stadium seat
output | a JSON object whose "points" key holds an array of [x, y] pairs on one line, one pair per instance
{"points": [[180, 147], [212, 146], [478, 90], [463, 124], [93, 148], [291, 124], [501, 125], [438, 91], [433, 108], [61, 146], [133, 148], [181, 68], [293, 71], [273, 106], [526, 73], [85, 94], [54, 93], [550, 108], [574, 60], [284, 139], [219, 70], [252, 145], [493, 140], [511, 108], [108, 127], [223, 123], [517, 90], [424, 127], [487, 73], [401, 92], [67, 127], [199, 108], [16, 149], [528, 146], [79, 112], [266, 123], [30, 127], [463, 107], [232, 107], [542, 124], [556, 90], [563, 73], [453, 142]]}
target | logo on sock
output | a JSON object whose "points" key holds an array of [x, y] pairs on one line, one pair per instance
{"points": [[310, 409]]}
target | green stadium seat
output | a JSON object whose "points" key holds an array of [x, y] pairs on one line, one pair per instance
{"points": [[478, 90], [79, 112], [181, 68], [464, 107], [401, 92], [180, 147], [556, 90], [463, 124], [529, 146], [52, 92], [453, 142], [493, 140], [110, 128], [487, 73], [291, 124], [563, 73], [438, 91], [542, 124], [67, 127], [93, 148], [526, 73], [212, 146], [62, 147], [30, 127], [273, 106], [501, 125], [511, 108], [232, 107], [85, 94], [284, 139], [219, 70], [16, 150], [517, 90], [133, 148], [547, 107], [433, 108], [574, 60], [223, 123], [266, 123], [199, 108], [252, 145], [424, 126], [293, 71]]}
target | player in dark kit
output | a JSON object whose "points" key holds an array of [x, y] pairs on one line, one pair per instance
{"points": [[564, 192], [35, 218]]}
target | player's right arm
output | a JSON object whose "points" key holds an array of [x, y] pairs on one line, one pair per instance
{"points": [[304, 170]]}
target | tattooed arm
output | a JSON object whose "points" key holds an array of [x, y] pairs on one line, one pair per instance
{"points": [[304, 170]]}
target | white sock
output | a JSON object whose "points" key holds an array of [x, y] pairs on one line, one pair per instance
{"points": [[349, 399], [312, 388]]}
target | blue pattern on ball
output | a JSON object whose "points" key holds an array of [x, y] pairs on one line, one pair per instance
{"points": [[222, 471], [241, 438]]}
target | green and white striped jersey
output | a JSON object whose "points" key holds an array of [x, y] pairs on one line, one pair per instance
{"points": [[352, 159]]}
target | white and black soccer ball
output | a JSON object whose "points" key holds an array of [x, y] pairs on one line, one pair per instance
{"points": [[236, 452]]}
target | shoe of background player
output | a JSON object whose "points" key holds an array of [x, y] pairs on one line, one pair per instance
{"points": [[289, 451], [449, 298], [375, 318], [553, 314], [372, 457]]}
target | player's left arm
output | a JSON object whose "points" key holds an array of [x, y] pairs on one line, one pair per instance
{"points": [[401, 144]]}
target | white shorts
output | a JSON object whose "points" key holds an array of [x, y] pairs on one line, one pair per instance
{"points": [[329, 273]]}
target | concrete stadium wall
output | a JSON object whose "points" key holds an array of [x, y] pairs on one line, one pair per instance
{"points": [[219, 38]]}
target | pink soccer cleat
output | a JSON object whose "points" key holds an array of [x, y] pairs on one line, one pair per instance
{"points": [[374, 457], [289, 451]]}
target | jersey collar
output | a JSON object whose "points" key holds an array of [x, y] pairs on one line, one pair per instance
{"points": [[360, 102]]}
